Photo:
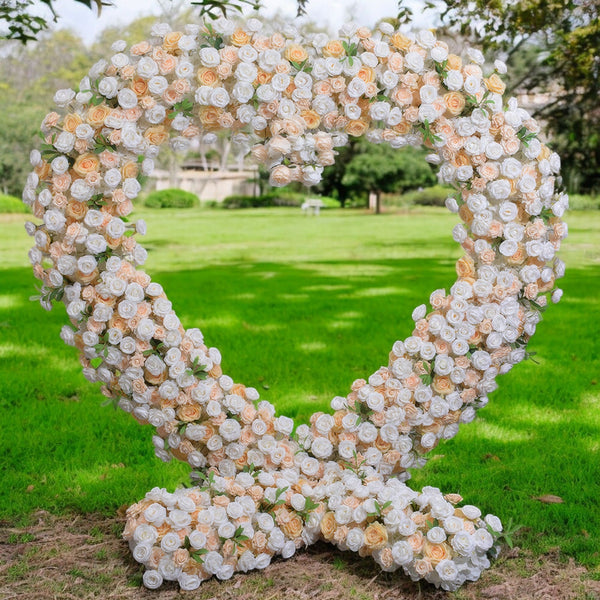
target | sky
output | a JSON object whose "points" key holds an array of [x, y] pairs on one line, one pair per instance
{"points": [[334, 13]]}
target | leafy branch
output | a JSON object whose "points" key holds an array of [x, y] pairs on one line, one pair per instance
{"points": [[357, 467], [181, 108], [197, 370], [526, 136], [379, 508], [102, 144], [309, 507], [428, 135], [156, 347]]}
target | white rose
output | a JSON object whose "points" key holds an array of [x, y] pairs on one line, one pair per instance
{"points": [[147, 67], [156, 114], [284, 425], [246, 72], [499, 189], [454, 80], [157, 84], [108, 87], [356, 88], [230, 430], [447, 570], [508, 211], [414, 62], [439, 54], [64, 142], [127, 98], [321, 448], [95, 243], [63, 97], [131, 187], [402, 553], [152, 579], [219, 97], [54, 220], [209, 57], [355, 539]]}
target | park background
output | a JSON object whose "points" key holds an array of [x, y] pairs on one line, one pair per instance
{"points": [[301, 306]]}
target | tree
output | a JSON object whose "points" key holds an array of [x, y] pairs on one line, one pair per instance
{"points": [[24, 24], [378, 169], [552, 47]]}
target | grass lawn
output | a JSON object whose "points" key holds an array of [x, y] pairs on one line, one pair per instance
{"points": [[300, 307]]}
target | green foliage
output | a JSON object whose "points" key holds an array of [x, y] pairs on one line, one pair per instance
{"points": [[551, 47], [379, 168], [10, 204], [581, 202], [171, 198], [24, 26], [432, 196]]}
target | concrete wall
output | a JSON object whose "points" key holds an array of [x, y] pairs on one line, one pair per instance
{"points": [[208, 185]]}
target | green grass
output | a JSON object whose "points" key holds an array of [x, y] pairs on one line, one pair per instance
{"points": [[300, 307]]}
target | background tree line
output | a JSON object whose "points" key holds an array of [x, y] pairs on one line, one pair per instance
{"points": [[552, 48]]}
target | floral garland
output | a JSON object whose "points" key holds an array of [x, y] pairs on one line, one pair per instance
{"points": [[265, 489]]}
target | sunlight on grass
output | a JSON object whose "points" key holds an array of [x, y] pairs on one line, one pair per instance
{"points": [[312, 346], [493, 431], [382, 291], [10, 301]]}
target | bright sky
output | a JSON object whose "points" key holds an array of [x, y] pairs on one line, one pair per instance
{"points": [[76, 16]]}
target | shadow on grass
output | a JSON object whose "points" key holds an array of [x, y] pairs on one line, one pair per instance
{"points": [[300, 334]]}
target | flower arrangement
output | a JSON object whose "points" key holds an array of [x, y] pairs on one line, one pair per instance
{"points": [[265, 488]]}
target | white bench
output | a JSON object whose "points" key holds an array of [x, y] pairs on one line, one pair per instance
{"points": [[312, 205]]}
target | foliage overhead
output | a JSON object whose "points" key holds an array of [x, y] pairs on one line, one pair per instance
{"points": [[552, 48], [23, 24]]}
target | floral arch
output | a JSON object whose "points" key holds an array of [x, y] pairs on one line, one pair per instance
{"points": [[266, 488]]}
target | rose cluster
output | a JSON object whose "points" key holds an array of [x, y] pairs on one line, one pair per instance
{"points": [[290, 101], [240, 523]]}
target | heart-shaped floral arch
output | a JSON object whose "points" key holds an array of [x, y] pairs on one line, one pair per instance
{"points": [[266, 488]]}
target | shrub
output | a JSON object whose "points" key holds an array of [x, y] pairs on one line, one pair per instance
{"points": [[171, 198], [581, 202], [10, 204], [432, 196]]}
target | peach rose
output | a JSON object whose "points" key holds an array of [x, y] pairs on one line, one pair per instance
{"points": [[240, 38], [455, 103], [366, 74], [454, 62], [86, 163], [442, 385], [357, 127], [400, 41], [376, 536], [189, 412], [76, 210], [495, 84], [293, 528], [71, 121], [328, 525], [97, 114], [334, 48], [171, 41], [206, 76], [295, 53]]}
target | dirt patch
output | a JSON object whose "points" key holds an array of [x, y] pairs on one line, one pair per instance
{"points": [[84, 557]]}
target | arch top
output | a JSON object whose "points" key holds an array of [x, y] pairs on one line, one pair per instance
{"points": [[293, 100]]}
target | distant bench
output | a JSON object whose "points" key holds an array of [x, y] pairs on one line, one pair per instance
{"points": [[312, 205]]}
